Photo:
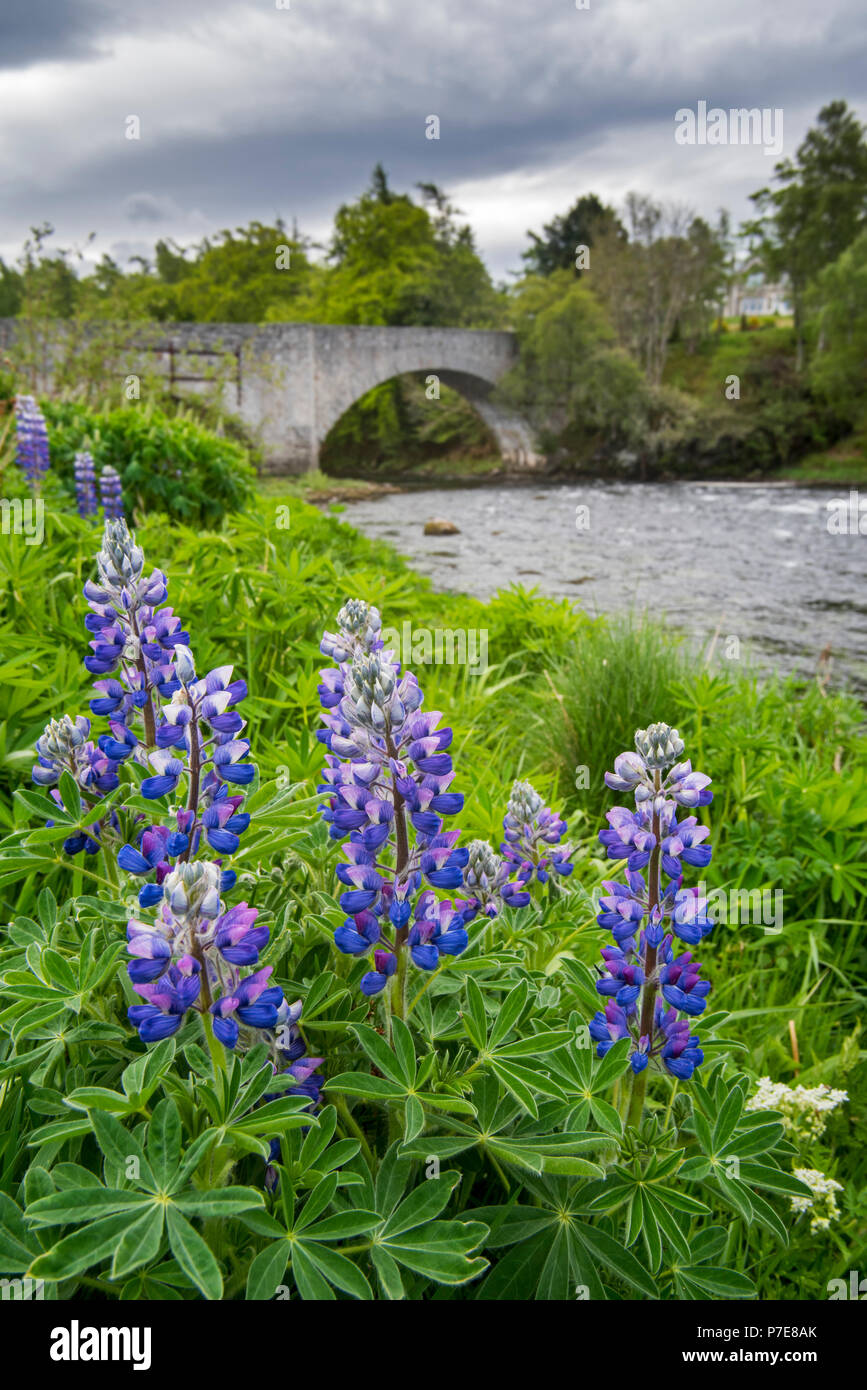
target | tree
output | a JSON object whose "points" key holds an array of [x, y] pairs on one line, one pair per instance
{"points": [[571, 378], [819, 208], [10, 290], [392, 262], [586, 222], [837, 317], [668, 274]]}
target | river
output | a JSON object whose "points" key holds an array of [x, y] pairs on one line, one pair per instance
{"points": [[760, 563]]}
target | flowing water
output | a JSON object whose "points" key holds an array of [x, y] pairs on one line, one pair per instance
{"points": [[762, 564]]}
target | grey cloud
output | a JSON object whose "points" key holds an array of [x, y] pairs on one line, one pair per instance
{"points": [[518, 88]]}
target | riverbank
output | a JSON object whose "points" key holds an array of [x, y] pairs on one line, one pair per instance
{"points": [[844, 465]]}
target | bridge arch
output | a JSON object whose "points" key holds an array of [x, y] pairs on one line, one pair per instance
{"points": [[356, 359], [511, 434]]}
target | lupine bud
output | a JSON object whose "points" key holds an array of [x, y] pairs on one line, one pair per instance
{"points": [[120, 561], [659, 745], [184, 666], [482, 866], [524, 803]]}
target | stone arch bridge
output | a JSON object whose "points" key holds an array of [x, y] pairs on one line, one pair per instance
{"points": [[291, 382]]}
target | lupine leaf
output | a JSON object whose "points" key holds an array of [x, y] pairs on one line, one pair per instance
{"points": [[83, 1248], [266, 1271], [311, 1284], [475, 1020], [140, 1242], [83, 1204], [422, 1204], [381, 1055], [338, 1270], [193, 1255], [219, 1202], [510, 1012], [622, 1262], [404, 1050]]}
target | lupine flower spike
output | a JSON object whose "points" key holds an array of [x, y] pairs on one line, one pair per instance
{"points": [[386, 789], [492, 881], [652, 989], [85, 484], [32, 453], [111, 492], [532, 830]]}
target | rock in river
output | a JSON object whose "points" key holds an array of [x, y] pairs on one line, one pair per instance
{"points": [[438, 527]]}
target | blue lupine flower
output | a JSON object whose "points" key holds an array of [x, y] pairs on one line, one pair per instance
{"points": [[642, 965], [192, 954], [85, 484], [32, 453], [191, 920], [252, 1002], [387, 787], [531, 829], [169, 998], [376, 980], [111, 492], [65, 746]]}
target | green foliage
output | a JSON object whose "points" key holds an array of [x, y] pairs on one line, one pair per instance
{"points": [[571, 379], [587, 222], [838, 322], [819, 206], [168, 464], [479, 1149]]}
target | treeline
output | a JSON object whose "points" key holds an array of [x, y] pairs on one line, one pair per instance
{"points": [[607, 305]]}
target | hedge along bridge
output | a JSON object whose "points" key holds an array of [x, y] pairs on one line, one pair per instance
{"points": [[291, 382]]}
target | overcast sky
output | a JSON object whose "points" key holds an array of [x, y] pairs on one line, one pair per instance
{"points": [[249, 111]]}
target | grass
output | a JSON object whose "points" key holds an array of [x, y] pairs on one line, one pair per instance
{"points": [[844, 464], [702, 373], [788, 760]]}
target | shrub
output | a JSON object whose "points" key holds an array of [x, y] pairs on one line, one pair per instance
{"points": [[167, 464]]}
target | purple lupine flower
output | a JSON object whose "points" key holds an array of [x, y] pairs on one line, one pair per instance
{"points": [[387, 787], [642, 965], [32, 453], [489, 882], [183, 730], [192, 937], [111, 493], [290, 1059], [532, 829], [85, 484], [65, 746], [168, 1000]]}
